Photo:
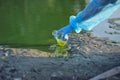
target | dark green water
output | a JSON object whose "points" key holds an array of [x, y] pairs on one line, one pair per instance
{"points": [[29, 23]]}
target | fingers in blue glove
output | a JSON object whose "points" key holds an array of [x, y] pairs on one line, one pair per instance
{"points": [[62, 33]]}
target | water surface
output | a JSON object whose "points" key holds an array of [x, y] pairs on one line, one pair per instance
{"points": [[29, 23]]}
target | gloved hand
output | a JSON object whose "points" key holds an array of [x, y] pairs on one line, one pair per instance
{"points": [[64, 31], [88, 18], [75, 22]]}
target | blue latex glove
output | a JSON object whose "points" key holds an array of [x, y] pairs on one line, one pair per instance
{"points": [[65, 30], [74, 20], [113, 1], [62, 33], [94, 13], [87, 19]]}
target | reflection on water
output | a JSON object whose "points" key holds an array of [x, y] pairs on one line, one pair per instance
{"points": [[30, 22], [77, 7]]}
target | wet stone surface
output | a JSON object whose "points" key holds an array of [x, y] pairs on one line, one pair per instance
{"points": [[87, 43], [88, 57]]}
